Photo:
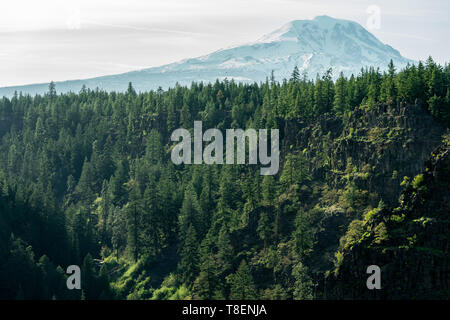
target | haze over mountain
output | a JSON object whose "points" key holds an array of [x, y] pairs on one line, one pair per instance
{"points": [[313, 46]]}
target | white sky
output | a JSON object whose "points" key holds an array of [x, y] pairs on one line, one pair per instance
{"points": [[58, 40]]}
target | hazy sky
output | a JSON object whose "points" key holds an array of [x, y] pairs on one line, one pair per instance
{"points": [[57, 40]]}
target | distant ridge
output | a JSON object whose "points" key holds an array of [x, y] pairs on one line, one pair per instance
{"points": [[312, 45]]}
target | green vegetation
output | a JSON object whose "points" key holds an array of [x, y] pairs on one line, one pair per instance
{"points": [[86, 179], [410, 242]]}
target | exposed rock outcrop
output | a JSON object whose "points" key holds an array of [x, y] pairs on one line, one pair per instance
{"points": [[409, 243], [385, 143]]}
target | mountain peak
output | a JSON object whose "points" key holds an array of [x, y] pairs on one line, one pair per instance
{"points": [[325, 18], [314, 46], [294, 30]]}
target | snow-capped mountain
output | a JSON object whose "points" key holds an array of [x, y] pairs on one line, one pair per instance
{"points": [[313, 46]]}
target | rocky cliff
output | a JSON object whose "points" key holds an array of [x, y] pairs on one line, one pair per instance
{"points": [[373, 147], [409, 243]]}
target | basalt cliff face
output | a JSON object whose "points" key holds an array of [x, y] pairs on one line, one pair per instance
{"points": [[409, 243], [374, 147], [362, 159]]}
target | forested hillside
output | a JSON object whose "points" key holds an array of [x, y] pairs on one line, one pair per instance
{"points": [[86, 178], [411, 242]]}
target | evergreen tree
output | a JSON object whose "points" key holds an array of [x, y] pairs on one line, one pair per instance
{"points": [[190, 211], [242, 286], [117, 185], [268, 189], [83, 190], [188, 266], [295, 76], [295, 170], [265, 228], [303, 287], [340, 97], [134, 222], [206, 284]]}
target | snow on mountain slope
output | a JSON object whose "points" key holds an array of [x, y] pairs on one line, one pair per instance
{"points": [[313, 46]]}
